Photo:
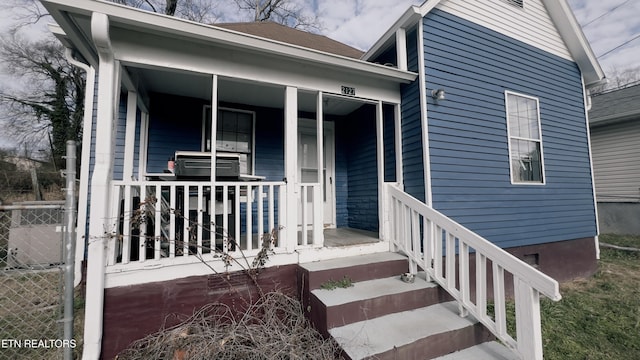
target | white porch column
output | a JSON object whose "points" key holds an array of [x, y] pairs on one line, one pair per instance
{"points": [[130, 135], [318, 200], [214, 135], [291, 166], [398, 141], [142, 151], [401, 48], [382, 212], [99, 223]]}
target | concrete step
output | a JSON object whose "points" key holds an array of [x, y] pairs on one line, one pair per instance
{"points": [[490, 350], [423, 333], [357, 268], [371, 299]]}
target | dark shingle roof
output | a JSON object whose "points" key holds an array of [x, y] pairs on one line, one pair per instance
{"points": [[615, 105], [278, 32]]}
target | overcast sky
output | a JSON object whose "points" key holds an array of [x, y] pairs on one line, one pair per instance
{"points": [[608, 25], [359, 23]]}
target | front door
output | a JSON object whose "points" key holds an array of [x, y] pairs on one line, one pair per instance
{"points": [[308, 166]]}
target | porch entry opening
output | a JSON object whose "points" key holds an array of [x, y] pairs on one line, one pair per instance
{"points": [[308, 169]]}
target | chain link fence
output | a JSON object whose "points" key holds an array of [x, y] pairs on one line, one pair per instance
{"points": [[31, 280], [36, 288]]}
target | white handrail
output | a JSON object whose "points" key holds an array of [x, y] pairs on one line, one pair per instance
{"points": [[428, 238]]}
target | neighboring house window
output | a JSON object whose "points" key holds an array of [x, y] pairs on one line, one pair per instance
{"points": [[517, 3], [525, 139], [234, 134]]}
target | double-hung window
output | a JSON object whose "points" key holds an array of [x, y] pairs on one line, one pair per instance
{"points": [[525, 139], [234, 134]]}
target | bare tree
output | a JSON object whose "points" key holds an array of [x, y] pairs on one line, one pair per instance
{"points": [[167, 7], [202, 11], [24, 12], [619, 79], [285, 12], [47, 109]]}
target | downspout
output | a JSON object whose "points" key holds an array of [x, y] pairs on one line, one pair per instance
{"points": [[587, 107], [85, 158], [99, 223]]}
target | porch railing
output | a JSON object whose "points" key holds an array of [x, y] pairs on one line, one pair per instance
{"points": [[310, 208], [446, 251], [155, 220]]}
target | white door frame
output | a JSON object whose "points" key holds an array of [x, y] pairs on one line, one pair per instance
{"points": [[328, 148]]}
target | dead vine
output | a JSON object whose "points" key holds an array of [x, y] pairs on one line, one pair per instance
{"points": [[272, 328]]}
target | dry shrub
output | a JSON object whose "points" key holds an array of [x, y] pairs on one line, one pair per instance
{"points": [[272, 328]]}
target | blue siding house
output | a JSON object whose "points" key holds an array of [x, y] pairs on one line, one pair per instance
{"points": [[460, 137]]}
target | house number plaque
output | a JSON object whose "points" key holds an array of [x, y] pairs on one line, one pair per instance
{"points": [[347, 90]]}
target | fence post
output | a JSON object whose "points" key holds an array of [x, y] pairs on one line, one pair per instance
{"points": [[69, 245]]}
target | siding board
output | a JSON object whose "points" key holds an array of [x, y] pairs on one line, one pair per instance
{"points": [[412, 147], [468, 135], [616, 151], [121, 129], [533, 25]]}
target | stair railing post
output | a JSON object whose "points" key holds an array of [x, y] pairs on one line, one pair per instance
{"points": [[528, 329]]}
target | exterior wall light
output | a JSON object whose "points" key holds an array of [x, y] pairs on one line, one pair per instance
{"points": [[438, 94]]}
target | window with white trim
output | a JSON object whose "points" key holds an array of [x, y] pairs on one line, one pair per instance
{"points": [[234, 134], [525, 139]]}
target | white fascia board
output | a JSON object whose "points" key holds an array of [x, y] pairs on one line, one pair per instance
{"points": [[410, 17], [575, 40], [132, 18], [75, 39]]}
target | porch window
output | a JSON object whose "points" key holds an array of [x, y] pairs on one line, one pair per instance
{"points": [[525, 139], [234, 134]]}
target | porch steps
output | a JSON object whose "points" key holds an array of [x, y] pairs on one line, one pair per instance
{"points": [[382, 317]]}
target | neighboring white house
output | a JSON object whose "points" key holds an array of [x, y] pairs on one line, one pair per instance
{"points": [[614, 120]]}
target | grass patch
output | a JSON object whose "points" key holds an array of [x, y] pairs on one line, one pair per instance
{"points": [[598, 318], [346, 282]]}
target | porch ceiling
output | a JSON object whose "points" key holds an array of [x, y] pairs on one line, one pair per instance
{"points": [[197, 85]]}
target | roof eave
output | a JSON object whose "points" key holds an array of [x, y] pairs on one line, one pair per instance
{"points": [[178, 27], [576, 41], [561, 14], [409, 18], [614, 119]]}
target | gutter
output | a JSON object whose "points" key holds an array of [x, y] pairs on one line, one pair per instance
{"points": [[614, 119]]}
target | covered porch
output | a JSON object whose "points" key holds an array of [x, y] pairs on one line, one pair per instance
{"points": [[166, 210]]}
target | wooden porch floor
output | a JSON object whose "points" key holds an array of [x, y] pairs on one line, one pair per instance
{"points": [[348, 236]]}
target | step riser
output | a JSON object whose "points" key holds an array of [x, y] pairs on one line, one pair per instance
{"points": [[311, 280], [349, 313], [362, 272], [436, 345]]}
